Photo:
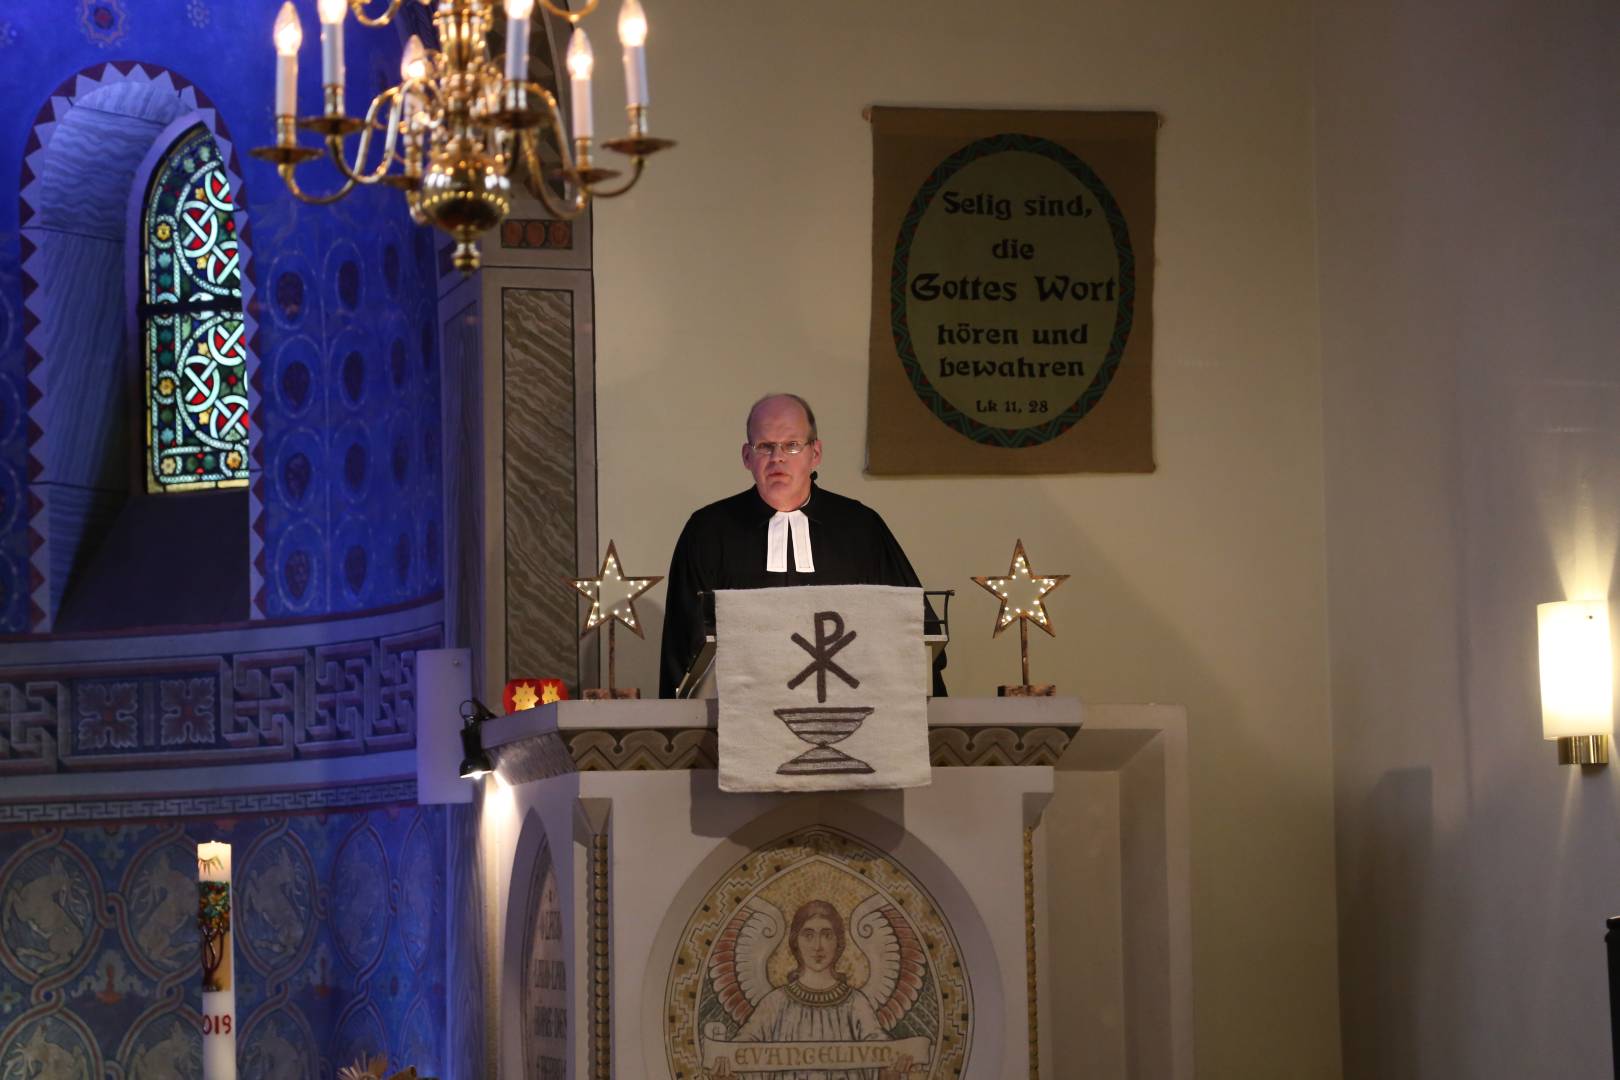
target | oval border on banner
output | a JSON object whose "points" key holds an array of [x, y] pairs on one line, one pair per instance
{"points": [[932, 399]]}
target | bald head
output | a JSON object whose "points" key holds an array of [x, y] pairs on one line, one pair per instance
{"points": [[777, 402]]}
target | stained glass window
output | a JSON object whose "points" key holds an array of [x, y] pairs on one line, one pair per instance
{"points": [[191, 323]]}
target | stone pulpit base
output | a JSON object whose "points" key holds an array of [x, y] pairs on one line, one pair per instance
{"points": [[1025, 914]]}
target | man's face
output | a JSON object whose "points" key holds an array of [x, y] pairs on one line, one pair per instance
{"points": [[818, 943], [782, 479]]}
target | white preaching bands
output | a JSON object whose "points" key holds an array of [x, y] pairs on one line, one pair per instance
{"points": [[776, 543]]}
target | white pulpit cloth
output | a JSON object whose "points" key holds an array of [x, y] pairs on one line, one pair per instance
{"points": [[821, 688]]}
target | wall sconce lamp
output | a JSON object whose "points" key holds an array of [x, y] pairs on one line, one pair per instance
{"points": [[1577, 679], [475, 760]]}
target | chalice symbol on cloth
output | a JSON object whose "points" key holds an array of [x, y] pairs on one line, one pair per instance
{"points": [[821, 724]]}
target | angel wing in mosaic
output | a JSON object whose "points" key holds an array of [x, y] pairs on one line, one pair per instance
{"points": [[894, 956], [738, 965]]}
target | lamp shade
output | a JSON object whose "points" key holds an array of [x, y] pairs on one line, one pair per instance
{"points": [[1577, 676]]}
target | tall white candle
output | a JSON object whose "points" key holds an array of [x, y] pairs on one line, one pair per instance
{"points": [[332, 13], [289, 35], [633, 36], [580, 63], [219, 987], [517, 38]]}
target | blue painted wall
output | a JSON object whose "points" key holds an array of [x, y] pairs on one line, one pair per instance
{"points": [[341, 915], [348, 423], [340, 928]]}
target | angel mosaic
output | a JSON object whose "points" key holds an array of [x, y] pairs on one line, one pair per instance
{"points": [[817, 957], [816, 1017]]}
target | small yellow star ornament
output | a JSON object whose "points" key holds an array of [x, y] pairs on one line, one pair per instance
{"points": [[612, 594]]}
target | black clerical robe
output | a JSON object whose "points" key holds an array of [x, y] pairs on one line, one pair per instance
{"points": [[723, 547]]}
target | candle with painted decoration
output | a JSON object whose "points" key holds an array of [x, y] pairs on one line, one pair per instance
{"points": [[580, 62], [219, 989], [288, 34]]}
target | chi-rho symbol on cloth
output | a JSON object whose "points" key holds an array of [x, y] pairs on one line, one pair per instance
{"points": [[821, 688]]}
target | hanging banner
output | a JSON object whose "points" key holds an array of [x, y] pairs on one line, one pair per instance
{"points": [[1012, 284]]}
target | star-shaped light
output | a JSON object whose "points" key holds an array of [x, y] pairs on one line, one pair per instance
{"points": [[524, 697], [1022, 592], [549, 694], [612, 594]]}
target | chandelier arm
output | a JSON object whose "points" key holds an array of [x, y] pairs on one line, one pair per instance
{"points": [[359, 9], [357, 172], [531, 159], [286, 172], [564, 13], [638, 163], [559, 132]]}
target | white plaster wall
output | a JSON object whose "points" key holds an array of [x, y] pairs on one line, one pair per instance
{"points": [[742, 264], [1466, 164]]}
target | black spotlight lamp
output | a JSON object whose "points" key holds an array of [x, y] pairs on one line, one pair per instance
{"points": [[475, 760]]}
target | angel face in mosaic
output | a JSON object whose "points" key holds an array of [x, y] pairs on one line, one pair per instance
{"points": [[815, 1016]]}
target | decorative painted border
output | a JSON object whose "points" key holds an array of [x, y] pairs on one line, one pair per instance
{"points": [[640, 749], [532, 233], [222, 804], [935, 402], [1031, 981], [62, 99], [600, 944]]}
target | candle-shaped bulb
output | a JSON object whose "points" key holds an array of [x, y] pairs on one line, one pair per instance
{"points": [[288, 36], [580, 58], [289, 33], [332, 74], [517, 39], [633, 36], [414, 63], [580, 62], [632, 25]]}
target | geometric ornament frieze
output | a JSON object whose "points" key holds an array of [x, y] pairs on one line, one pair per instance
{"points": [[281, 704]]}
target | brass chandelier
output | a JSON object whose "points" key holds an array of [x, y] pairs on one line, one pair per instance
{"points": [[457, 122]]}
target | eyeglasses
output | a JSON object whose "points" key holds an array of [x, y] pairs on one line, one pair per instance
{"points": [[769, 449]]}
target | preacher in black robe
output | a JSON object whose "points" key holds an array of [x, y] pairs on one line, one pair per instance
{"points": [[723, 547]]}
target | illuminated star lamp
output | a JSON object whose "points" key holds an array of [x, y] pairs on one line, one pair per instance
{"points": [[613, 600], [1023, 599], [524, 694]]}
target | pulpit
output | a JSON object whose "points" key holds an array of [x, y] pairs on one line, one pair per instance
{"points": [[648, 925]]}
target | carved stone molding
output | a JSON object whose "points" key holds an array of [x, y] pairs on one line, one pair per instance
{"points": [[641, 749], [963, 746]]}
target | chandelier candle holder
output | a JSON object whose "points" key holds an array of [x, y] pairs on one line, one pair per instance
{"points": [[613, 600], [1023, 598], [458, 122], [218, 989]]}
